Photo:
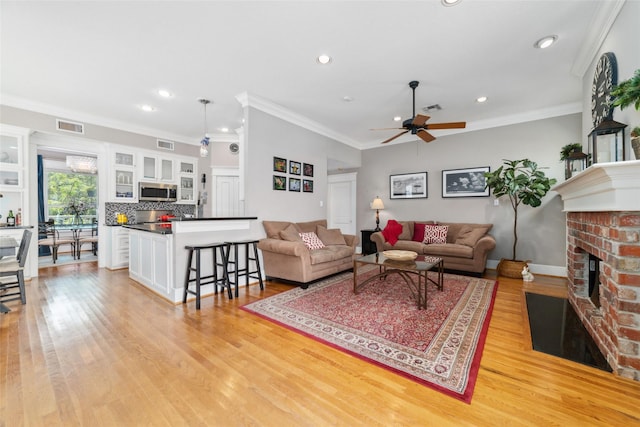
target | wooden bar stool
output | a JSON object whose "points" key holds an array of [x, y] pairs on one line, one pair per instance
{"points": [[235, 269], [220, 253]]}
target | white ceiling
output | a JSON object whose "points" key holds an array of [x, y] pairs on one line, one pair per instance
{"points": [[98, 61]]}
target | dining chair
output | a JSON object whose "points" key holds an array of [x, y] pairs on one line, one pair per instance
{"points": [[49, 236], [93, 239], [14, 266]]}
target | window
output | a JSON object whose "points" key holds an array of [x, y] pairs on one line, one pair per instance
{"points": [[71, 197]]}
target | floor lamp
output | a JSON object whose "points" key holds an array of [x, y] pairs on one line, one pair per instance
{"points": [[377, 205]]}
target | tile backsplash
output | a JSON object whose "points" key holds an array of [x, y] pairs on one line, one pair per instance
{"points": [[129, 209]]}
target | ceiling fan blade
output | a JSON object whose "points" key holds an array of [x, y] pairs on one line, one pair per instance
{"points": [[394, 137], [425, 136], [451, 125], [420, 120]]}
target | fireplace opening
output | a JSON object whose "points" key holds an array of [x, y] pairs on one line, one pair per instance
{"points": [[594, 280], [557, 330]]}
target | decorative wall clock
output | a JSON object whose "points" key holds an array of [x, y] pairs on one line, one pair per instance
{"points": [[604, 78]]}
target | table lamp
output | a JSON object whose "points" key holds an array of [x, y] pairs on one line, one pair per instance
{"points": [[377, 205]]}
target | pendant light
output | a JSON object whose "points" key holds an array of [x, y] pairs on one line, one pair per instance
{"points": [[204, 144]]}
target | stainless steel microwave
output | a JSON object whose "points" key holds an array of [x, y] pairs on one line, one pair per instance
{"points": [[157, 192]]}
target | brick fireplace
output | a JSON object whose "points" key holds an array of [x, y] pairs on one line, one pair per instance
{"points": [[603, 219]]}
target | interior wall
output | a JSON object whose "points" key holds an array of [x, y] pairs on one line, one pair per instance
{"points": [[622, 40], [541, 231], [267, 136]]}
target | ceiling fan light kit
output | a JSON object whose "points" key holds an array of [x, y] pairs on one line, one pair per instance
{"points": [[417, 124]]}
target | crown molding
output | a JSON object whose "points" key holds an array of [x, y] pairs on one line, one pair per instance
{"points": [[264, 105], [78, 116], [601, 24]]}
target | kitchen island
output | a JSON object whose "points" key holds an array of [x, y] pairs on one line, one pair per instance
{"points": [[157, 254]]}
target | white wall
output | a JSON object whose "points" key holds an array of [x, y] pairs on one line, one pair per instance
{"points": [[541, 231], [267, 136], [622, 40]]}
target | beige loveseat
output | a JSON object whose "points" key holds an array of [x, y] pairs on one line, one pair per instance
{"points": [[466, 249], [287, 257]]}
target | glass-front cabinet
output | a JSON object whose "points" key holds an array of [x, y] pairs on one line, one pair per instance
{"points": [[11, 161], [187, 184], [156, 168], [123, 181]]}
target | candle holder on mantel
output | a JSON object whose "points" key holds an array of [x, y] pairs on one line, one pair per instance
{"points": [[607, 143]]}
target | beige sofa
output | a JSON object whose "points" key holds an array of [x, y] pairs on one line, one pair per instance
{"points": [[287, 257], [466, 249]]}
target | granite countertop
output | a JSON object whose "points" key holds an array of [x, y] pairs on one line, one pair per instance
{"points": [[152, 228], [217, 218]]}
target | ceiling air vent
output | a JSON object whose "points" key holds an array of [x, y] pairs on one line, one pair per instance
{"points": [[67, 126], [166, 145]]}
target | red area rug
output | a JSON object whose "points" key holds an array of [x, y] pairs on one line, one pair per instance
{"points": [[439, 347]]}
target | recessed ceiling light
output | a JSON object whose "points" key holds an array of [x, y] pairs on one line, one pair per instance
{"points": [[397, 118], [545, 42], [323, 59], [481, 99], [347, 98], [450, 2], [148, 108], [165, 93], [225, 130]]}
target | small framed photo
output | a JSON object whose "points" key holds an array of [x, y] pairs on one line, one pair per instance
{"points": [[307, 185], [468, 182], [279, 182], [408, 186], [279, 164], [294, 167], [307, 169], [294, 184]]}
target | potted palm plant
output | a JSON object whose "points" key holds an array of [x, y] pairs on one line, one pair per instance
{"points": [[522, 182]]}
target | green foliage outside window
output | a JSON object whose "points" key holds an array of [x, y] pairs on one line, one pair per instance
{"points": [[71, 197]]}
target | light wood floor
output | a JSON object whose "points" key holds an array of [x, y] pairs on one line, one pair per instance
{"points": [[93, 348]]}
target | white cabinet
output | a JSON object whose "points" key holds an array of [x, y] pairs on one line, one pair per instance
{"points": [[118, 255], [12, 146], [123, 183], [157, 168], [187, 182], [150, 264]]}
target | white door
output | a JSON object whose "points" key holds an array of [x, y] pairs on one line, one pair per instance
{"points": [[227, 196], [342, 202]]}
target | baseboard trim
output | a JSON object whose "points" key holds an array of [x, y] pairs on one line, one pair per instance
{"points": [[547, 270]]}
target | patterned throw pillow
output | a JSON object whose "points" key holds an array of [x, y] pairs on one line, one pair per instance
{"points": [[312, 240], [435, 234]]}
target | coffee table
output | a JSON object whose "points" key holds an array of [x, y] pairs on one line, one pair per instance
{"points": [[414, 273]]}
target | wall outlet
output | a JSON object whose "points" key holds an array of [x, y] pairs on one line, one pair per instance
{"points": [[496, 202]]}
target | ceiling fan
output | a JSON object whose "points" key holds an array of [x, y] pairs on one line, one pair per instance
{"points": [[417, 125]]}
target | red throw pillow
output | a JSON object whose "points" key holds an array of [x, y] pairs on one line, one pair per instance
{"points": [[418, 231], [392, 231]]}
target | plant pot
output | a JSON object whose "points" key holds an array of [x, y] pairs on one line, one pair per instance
{"points": [[635, 145], [510, 268]]}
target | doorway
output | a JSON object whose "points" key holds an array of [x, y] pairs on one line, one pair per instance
{"points": [[341, 202], [70, 195]]}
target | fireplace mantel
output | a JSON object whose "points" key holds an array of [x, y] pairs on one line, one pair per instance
{"points": [[603, 187]]}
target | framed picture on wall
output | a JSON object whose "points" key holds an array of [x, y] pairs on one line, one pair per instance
{"points": [[408, 186], [307, 169], [294, 167], [307, 185], [294, 184], [469, 182], [279, 164], [279, 182]]}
